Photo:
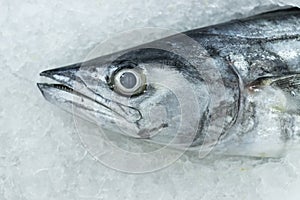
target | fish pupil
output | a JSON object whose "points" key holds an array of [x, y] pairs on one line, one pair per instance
{"points": [[128, 80]]}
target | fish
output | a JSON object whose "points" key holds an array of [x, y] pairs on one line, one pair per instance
{"points": [[232, 88]]}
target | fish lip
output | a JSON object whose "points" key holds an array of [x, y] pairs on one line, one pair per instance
{"points": [[67, 74], [43, 86], [69, 68], [64, 75]]}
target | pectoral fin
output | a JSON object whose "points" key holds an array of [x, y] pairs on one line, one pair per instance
{"points": [[288, 84]]}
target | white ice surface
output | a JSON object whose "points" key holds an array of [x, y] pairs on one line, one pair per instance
{"points": [[41, 156]]}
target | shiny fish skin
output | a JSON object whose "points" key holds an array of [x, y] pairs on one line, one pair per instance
{"points": [[254, 113], [268, 43]]}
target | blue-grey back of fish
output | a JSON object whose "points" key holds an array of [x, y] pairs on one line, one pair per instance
{"points": [[233, 87]]}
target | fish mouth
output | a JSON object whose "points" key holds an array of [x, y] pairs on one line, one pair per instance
{"points": [[43, 86], [70, 92], [64, 76]]}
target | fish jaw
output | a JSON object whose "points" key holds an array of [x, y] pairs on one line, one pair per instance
{"points": [[74, 96]]}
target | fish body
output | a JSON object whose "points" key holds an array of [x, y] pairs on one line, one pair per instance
{"points": [[232, 87]]}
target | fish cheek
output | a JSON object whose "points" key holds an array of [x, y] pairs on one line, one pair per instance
{"points": [[161, 115]]}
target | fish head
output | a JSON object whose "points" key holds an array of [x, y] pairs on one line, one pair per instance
{"points": [[144, 93]]}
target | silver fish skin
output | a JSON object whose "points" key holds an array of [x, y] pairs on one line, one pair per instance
{"points": [[237, 91]]}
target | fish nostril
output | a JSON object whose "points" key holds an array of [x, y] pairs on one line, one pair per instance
{"points": [[107, 79]]}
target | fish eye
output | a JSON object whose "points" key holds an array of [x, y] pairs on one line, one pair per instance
{"points": [[129, 82]]}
